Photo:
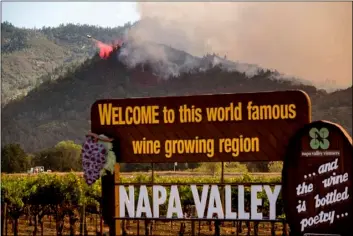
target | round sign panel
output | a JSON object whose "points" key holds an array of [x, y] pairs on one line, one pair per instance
{"points": [[317, 181]]}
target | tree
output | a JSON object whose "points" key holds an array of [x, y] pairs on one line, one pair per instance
{"points": [[212, 167], [275, 166], [48, 158], [64, 156], [261, 166], [13, 159], [70, 158]]}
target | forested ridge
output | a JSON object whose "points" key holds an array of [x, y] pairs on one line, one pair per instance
{"points": [[32, 56]]}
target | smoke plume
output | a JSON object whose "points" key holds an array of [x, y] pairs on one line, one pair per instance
{"points": [[310, 40]]}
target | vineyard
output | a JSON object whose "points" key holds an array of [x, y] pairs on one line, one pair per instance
{"points": [[50, 204]]}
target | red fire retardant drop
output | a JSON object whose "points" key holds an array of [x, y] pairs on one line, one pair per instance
{"points": [[104, 50]]}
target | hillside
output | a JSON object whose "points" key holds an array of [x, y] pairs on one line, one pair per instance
{"points": [[60, 109], [32, 56]]}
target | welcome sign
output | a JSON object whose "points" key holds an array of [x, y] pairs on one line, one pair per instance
{"points": [[203, 128], [268, 126]]}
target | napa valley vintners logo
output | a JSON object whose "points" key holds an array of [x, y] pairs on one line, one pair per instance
{"points": [[319, 138], [320, 143]]}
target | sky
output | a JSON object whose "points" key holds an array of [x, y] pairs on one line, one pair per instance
{"points": [[39, 14]]}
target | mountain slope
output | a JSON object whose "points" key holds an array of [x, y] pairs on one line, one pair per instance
{"points": [[335, 107], [60, 109], [30, 55]]}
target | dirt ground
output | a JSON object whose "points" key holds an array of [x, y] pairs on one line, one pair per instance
{"points": [[138, 228]]}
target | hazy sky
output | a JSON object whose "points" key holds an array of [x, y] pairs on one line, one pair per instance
{"points": [[38, 14]]}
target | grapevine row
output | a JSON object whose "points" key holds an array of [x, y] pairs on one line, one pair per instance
{"points": [[63, 196]]}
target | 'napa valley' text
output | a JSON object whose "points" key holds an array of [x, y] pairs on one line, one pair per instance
{"points": [[207, 199]]}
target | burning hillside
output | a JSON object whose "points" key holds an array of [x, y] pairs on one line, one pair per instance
{"points": [[150, 62], [105, 50]]}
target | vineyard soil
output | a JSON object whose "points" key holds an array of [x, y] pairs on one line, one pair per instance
{"points": [[158, 228]]}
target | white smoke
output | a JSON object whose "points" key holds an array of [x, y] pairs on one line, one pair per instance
{"points": [[311, 40], [168, 62]]}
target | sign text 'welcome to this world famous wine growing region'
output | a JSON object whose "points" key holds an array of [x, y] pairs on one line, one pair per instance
{"points": [[203, 128]]}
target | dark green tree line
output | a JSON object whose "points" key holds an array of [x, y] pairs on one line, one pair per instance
{"points": [[64, 156]]}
